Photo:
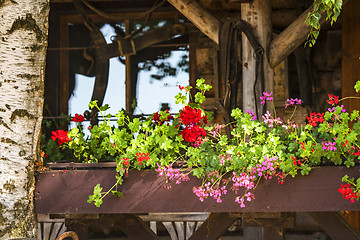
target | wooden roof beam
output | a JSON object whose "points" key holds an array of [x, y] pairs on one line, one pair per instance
{"points": [[291, 38], [200, 17]]}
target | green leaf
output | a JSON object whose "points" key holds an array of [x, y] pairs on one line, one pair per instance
{"points": [[93, 104], [117, 193], [104, 107], [357, 86], [199, 98]]}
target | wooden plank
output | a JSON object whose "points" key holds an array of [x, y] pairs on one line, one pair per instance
{"points": [[134, 227], [143, 191], [351, 52], [266, 228], [200, 17], [258, 15], [335, 225], [171, 230], [213, 227]]}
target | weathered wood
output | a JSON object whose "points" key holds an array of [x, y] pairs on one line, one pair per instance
{"points": [[350, 53], [291, 38], [335, 225], [267, 228], [258, 15], [143, 192], [175, 217], [200, 17], [253, 233], [134, 227], [78, 227], [213, 227]]}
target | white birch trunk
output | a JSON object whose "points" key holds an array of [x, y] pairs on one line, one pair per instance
{"points": [[23, 42]]}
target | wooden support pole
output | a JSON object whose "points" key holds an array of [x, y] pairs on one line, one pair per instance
{"points": [[135, 228], [335, 225], [258, 15], [350, 53], [214, 226], [200, 17]]}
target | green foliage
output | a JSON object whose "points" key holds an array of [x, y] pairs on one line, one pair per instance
{"points": [[332, 9], [289, 149]]}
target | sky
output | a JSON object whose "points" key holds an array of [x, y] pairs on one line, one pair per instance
{"points": [[150, 94]]}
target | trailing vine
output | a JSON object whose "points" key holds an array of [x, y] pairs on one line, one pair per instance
{"points": [[332, 8]]}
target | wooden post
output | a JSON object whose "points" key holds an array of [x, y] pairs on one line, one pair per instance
{"points": [[351, 52], [258, 15], [214, 226], [335, 225], [200, 17]]}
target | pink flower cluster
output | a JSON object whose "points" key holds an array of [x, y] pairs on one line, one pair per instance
{"points": [[217, 128], [252, 114], [266, 168], [268, 119], [208, 190], [223, 160], [247, 180], [266, 97], [249, 196], [292, 102], [172, 174], [329, 146]]}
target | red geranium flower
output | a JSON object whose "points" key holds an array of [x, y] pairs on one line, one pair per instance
{"points": [[193, 134], [157, 118], [78, 118], [348, 193], [142, 156], [126, 161], [315, 118], [61, 136], [333, 99]]}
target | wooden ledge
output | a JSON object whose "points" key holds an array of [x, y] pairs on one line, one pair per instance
{"points": [[66, 192]]}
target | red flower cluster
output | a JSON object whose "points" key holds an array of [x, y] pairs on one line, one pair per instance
{"points": [[61, 136], [333, 99], [142, 156], [190, 115], [193, 134], [351, 149], [296, 162], [192, 118], [348, 193], [281, 176], [158, 121], [126, 161], [315, 118], [78, 118]]}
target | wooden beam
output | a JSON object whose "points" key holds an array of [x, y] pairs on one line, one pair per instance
{"points": [[335, 225], [200, 17], [213, 227], [258, 15], [266, 228], [291, 38], [143, 192], [135, 228]]}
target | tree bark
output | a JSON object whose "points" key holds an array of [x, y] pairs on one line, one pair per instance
{"points": [[23, 43]]}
